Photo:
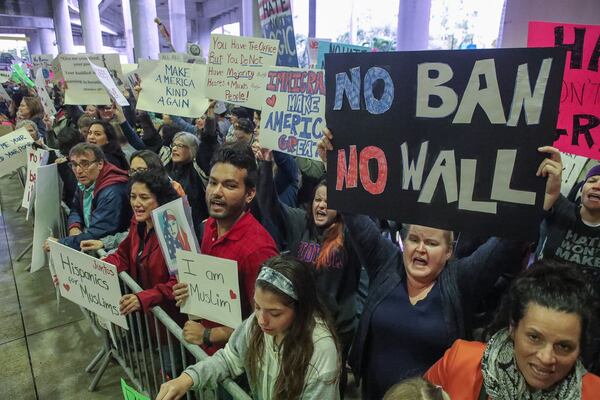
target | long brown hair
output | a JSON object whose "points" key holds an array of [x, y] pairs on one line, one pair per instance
{"points": [[297, 347], [333, 236]]}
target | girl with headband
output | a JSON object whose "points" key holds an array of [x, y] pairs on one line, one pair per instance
{"points": [[287, 349]]}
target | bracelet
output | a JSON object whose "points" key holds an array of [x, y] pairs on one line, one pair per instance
{"points": [[206, 337]]}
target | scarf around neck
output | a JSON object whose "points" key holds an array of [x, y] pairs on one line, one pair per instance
{"points": [[503, 380]]}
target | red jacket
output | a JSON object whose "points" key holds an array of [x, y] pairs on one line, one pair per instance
{"points": [[459, 373], [152, 273]]}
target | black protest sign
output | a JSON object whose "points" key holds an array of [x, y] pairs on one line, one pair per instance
{"points": [[443, 138]]}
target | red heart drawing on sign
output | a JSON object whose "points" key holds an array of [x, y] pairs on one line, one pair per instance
{"points": [[66, 286], [314, 45], [271, 101], [232, 294]]}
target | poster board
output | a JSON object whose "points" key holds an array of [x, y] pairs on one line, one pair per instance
{"points": [[43, 62], [35, 159], [42, 92], [4, 95], [446, 139], [293, 111], [329, 47], [13, 150], [213, 287], [88, 282], [572, 167], [578, 128], [173, 87], [47, 217], [109, 84], [277, 23], [236, 68], [83, 86]]}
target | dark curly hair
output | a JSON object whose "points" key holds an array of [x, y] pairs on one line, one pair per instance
{"points": [[240, 155], [157, 183]]}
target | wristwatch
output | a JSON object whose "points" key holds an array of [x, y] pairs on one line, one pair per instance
{"points": [[206, 337]]}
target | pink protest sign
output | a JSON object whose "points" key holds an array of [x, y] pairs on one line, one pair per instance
{"points": [[578, 127]]}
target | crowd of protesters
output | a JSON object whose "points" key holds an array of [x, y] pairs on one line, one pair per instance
{"points": [[326, 292]]}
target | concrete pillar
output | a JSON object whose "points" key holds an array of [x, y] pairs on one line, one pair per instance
{"points": [[90, 25], [250, 22], [413, 25], [47, 40], [128, 31], [178, 23], [312, 18], [145, 30], [62, 26], [203, 34], [34, 46]]}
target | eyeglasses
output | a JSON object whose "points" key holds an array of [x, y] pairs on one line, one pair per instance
{"points": [[84, 164], [179, 146], [133, 171]]}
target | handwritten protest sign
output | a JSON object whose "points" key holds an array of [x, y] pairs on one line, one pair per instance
{"points": [[130, 393], [58, 75], [328, 47], [35, 158], [578, 128], [43, 62], [4, 95], [293, 112], [89, 282], [107, 81], [312, 50], [13, 150], [446, 139], [174, 230], [277, 23], [172, 87], [235, 71], [84, 87], [4, 76], [572, 167], [40, 88], [213, 287], [47, 219]]}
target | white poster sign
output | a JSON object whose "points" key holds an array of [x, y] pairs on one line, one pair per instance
{"points": [[35, 158], [174, 88], [42, 62], [572, 167], [89, 282], [47, 220], [213, 287], [107, 81], [83, 86], [3, 94], [236, 68], [13, 150], [4, 76], [174, 230], [40, 88]]}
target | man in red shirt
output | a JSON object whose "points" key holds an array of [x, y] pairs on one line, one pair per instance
{"points": [[230, 232]]}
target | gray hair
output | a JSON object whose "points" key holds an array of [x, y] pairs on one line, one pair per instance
{"points": [[190, 140], [82, 148], [25, 122]]}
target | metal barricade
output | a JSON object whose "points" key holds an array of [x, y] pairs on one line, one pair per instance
{"points": [[151, 351]]}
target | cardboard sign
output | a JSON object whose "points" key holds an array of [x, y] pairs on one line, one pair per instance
{"points": [[89, 282], [446, 139], [213, 287], [43, 62], [83, 86], [4, 95], [4, 76], [174, 230], [107, 81], [47, 220], [572, 167], [35, 159], [13, 150], [40, 88], [130, 393], [578, 128], [277, 23], [174, 88], [312, 50], [293, 111], [236, 68], [328, 47]]}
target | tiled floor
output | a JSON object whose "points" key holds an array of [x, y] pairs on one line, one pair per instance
{"points": [[44, 347]]}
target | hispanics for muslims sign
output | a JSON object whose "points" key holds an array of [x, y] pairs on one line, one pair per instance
{"points": [[174, 88], [446, 139], [213, 287], [236, 68], [89, 282], [293, 111], [578, 128], [277, 23]]}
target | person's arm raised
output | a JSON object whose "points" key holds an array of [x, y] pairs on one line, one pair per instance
{"points": [[551, 168]]}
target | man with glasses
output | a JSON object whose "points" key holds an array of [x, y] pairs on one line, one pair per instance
{"points": [[100, 206]]}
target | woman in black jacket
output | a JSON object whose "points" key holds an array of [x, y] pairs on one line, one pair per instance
{"points": [[103, 134]]}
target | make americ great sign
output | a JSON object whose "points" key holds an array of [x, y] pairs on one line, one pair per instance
{"points": [[446, 139], [578, 128]]}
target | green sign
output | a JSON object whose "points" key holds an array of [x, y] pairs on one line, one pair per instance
{"points": [[130, 393]]}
